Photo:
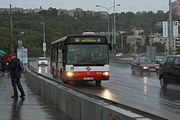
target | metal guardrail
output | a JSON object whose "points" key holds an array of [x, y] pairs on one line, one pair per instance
{"points": [[123, 60]]}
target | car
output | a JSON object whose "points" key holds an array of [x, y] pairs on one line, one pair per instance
{"points": [[144, 65], [169, 71], [42, 61], [159, 59], [118, 54]]}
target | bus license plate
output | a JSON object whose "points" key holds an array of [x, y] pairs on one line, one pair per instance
{"points": [[88, 78], [151, 69]]}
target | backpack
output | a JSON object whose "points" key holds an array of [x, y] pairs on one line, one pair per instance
{"points": [[21, 67]]}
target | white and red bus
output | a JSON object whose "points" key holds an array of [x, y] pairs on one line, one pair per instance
{"points": [[81, 58]]}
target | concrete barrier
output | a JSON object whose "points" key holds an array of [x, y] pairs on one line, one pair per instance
{"points": [[75, 105], [123, 60]]}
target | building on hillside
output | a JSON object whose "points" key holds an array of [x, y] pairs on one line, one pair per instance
{"points": [[176, 7], [3, 10], [13, 10], [137, 30], [76, 12], [21, 10], [136, 39], [155, 37], [62, 12]]}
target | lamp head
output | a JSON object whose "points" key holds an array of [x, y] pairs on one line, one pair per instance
{"points": [[97, 5]]}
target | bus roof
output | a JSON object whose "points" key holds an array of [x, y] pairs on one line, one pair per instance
{"points": [[80, 35]]}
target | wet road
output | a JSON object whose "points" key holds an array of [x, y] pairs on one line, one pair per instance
{"points": [[32, 108], [141, 92]]}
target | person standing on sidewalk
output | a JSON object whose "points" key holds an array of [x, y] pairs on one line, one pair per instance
{"points": [[1, 65], [15, 73]]}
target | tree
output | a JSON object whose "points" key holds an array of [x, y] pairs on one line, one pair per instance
{"points": [[159, 47], [58, 26]]}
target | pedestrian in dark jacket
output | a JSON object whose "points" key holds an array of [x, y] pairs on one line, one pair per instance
{"points": [[15, 74], [1, 65]]}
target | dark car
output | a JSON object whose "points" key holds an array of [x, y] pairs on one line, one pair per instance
{"points": [[144, 65], [169, 72]]}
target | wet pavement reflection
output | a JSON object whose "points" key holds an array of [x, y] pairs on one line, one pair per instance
{"points": [[31, 108], [16, 110]]}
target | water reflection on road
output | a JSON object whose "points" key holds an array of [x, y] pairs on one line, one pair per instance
{"points": [[42, 69], [16, 110]]}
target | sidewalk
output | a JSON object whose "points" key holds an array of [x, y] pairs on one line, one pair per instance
{"points": [[32, 108]]}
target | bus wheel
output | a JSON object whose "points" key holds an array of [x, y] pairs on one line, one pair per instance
{"points": [[98, 83], [163, 83], [65, 82], [141, 72]]}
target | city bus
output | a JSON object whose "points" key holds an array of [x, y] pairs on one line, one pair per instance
{"points": [[80, 58]]}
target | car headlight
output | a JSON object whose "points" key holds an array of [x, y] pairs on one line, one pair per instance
{"points": [[145, 67], [69, 74], [106, 73]]}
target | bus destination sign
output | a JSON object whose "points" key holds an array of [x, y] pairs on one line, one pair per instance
{"points": [[87, 40]]}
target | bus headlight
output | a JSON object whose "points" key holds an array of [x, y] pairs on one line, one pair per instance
{"points": [[69, 74], [106, 73], [145, 67]]}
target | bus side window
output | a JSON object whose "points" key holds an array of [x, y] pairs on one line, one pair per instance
{"points": [[60, 56], [63, 58], [110, 47]]}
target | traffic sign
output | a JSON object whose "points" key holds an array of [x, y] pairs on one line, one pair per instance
{"points": [[44, 47]]}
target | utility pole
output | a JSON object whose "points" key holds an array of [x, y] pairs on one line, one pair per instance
{"points": [[170, 29], [11, 32], [122, 41], [44, 39], [108, 10], [114, 30]]}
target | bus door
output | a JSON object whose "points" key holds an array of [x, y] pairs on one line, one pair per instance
{"points": [[60, 63]]}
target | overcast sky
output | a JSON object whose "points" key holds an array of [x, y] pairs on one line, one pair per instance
{"points": [[126, 5]]}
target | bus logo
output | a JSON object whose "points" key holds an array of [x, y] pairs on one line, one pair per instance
{"points": [[88, 68]]}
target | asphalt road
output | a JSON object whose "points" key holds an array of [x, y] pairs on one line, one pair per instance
{"points": [[140, 92]]}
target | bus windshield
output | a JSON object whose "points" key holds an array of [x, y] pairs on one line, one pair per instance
{"points": [[87, 54]]}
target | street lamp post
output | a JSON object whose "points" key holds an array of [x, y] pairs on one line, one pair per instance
{"points": [[11, 32], [170, 28], [122, 41], [108, 9], [44, 39], [114, 16], [114, 23]]}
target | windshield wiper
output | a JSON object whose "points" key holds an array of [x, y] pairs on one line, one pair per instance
{"points": [[101, 62], [83, 60]]}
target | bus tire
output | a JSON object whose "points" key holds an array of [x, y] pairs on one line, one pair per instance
{"points": [[64, 81], [98, 83], [163, 82], [141, 72]]}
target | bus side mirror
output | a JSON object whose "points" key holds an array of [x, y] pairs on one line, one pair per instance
{"points": [[110, 47], [178, 66]]}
